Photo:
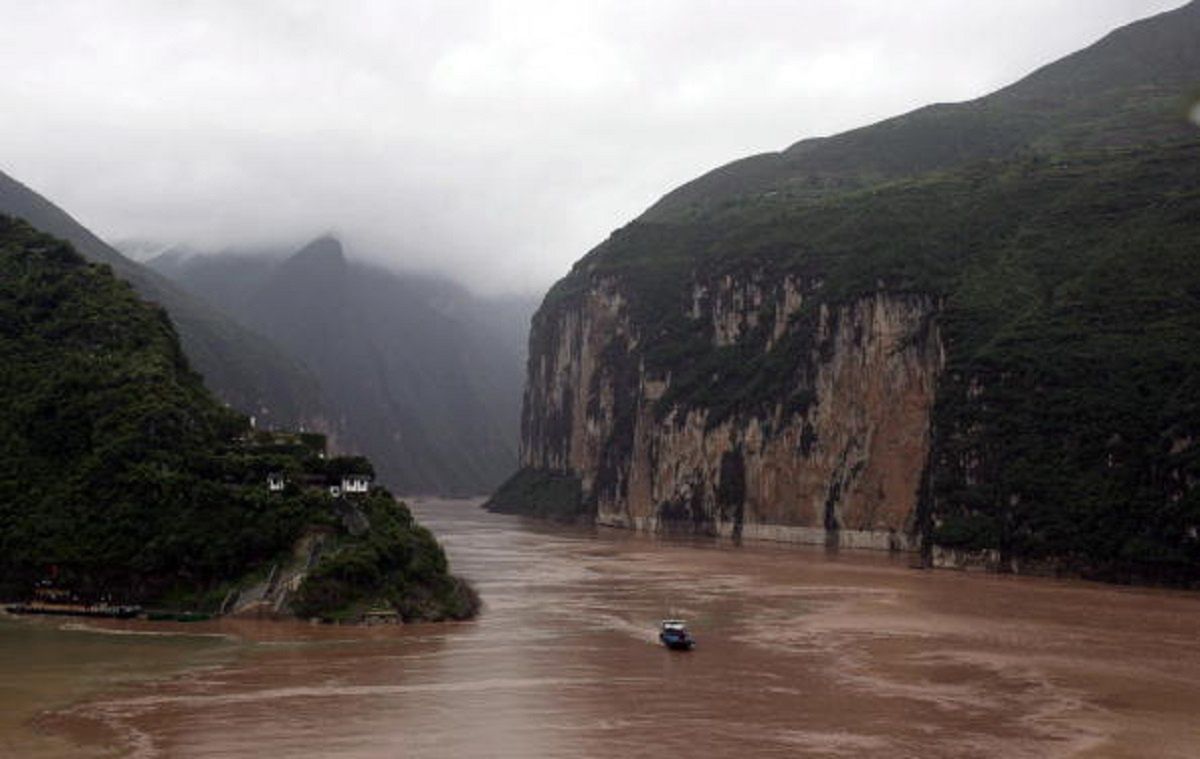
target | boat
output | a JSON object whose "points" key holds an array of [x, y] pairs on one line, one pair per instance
{"points": [[675, 636]]}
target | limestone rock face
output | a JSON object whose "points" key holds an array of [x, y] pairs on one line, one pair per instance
{"points": [[758, 354], [844, 468]]}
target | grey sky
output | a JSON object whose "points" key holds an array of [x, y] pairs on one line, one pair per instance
{"points": [[495, 141]]}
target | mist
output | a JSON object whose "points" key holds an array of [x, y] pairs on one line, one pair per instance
{"points": [[492, 142]]}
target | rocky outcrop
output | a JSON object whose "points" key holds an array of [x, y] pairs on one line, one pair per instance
{"points": [[843, 467]]}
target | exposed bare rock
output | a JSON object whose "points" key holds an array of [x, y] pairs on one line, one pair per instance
{"points": [[846, 469]]}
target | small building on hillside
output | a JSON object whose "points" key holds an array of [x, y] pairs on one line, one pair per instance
{"points": [[356, 484], [340, 476], [276, 482], [350, 484]]}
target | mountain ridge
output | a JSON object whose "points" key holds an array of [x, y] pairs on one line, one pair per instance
{"points": [[971, 331], [424, 375], [898, 146], [243, 368]]}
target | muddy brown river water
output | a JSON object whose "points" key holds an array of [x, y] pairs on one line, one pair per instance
{"points": [[801, 653]]}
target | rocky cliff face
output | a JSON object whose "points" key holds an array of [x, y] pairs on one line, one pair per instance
{"points": [[974, 329], [1009, 381], [844, 469]]}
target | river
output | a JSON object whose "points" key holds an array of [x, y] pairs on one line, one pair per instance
{"points": [[801, 653]]}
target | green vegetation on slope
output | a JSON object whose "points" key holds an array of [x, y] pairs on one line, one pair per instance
{"points": [[1131, 88], [542, 494], [1070, 294], [1054, 228], [244, 369], [119, 474], [397, 565]]}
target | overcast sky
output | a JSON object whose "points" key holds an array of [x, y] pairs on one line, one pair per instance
{"points": [[495, 141]]}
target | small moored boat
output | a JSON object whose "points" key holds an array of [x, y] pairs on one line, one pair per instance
{"points": [[674, 635]]}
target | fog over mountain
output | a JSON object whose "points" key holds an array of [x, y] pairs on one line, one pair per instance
{"points": [[421, 375], [492, 141], [239, 366]]}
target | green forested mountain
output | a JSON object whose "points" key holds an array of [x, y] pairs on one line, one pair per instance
{"points": [[1019, 274], [120, 474], [1131, 88], [242, 368]]}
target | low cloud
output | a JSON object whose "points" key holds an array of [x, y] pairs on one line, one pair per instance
{"points": [[493, 141]]}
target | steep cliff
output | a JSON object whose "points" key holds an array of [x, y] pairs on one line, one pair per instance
{"points": [[987, 352], [839, 466]]}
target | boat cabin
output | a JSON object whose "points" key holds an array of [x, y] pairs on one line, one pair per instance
{"points": [[674, 635]]}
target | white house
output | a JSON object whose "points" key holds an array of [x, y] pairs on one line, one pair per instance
{"points": [[276, 482], [354, 484]]}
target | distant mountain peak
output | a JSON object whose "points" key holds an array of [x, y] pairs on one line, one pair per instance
{"points": [[317, 267], [324, 248]]}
